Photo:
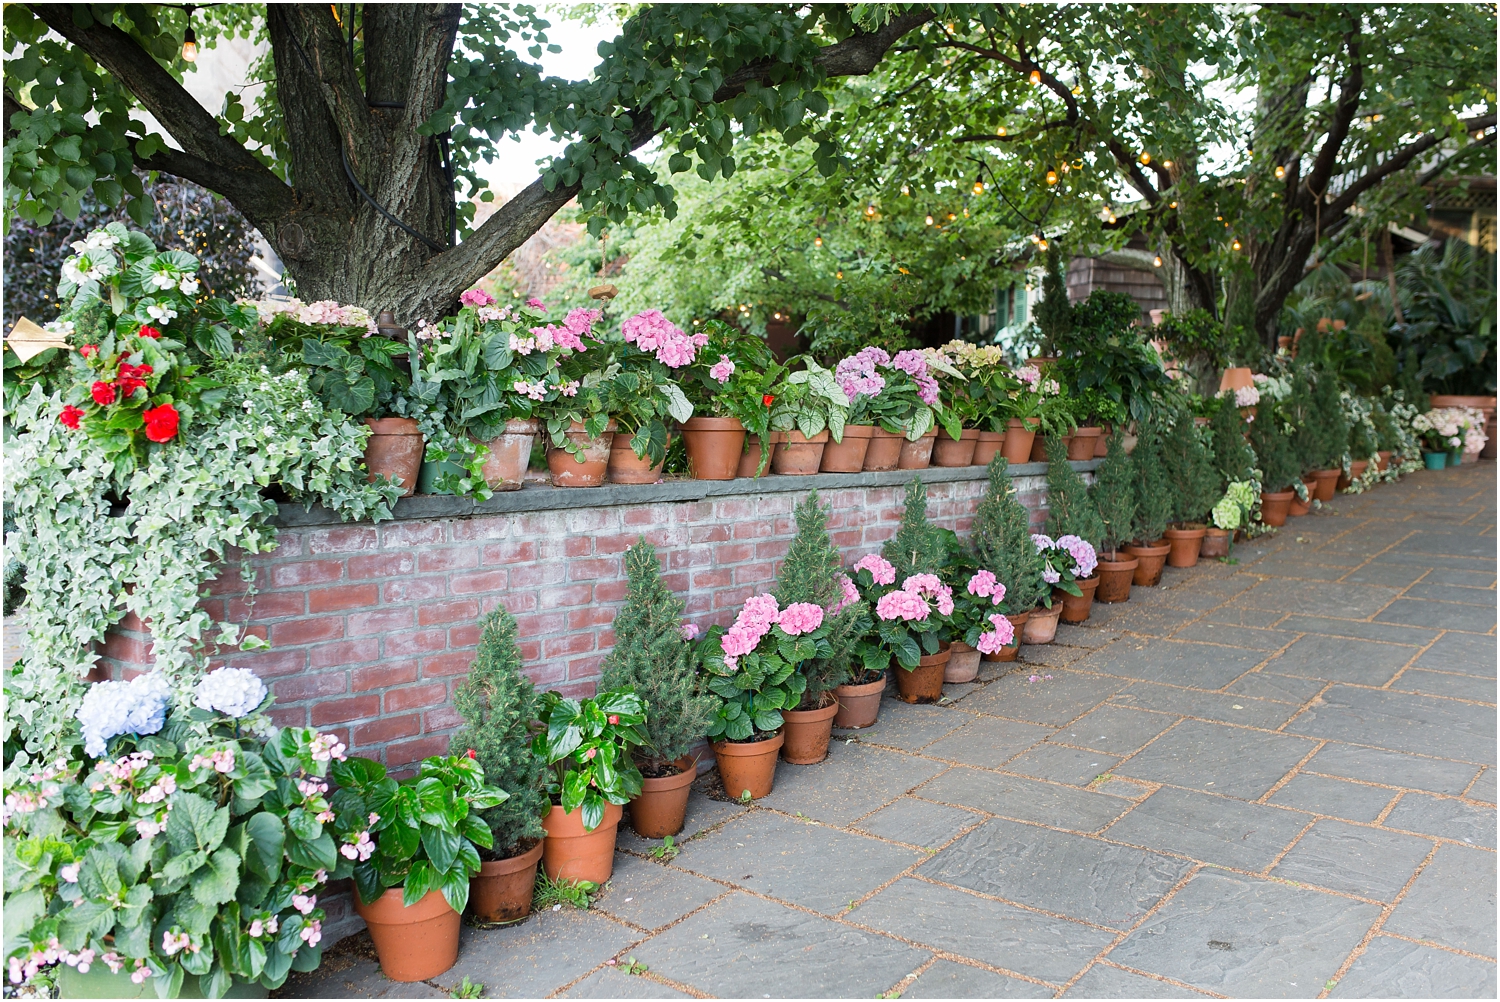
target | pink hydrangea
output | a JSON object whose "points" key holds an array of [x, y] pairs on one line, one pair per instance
{"points": [[911, 362], [856, 374], [1042, 541], [800, 617], [881, 571], [902, 604], [477, 297], [722, 369], [929, 586], [984, 584], [1030, 375], [1051, 575], [1082, 552], [536, 304], [690, 631], [849, 597], [652, 331], [757, 617], [1002, 634]]}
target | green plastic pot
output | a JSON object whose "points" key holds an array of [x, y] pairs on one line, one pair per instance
{"points": [[428, 476], [1435, 460], [1455, 457], [100, 983]]}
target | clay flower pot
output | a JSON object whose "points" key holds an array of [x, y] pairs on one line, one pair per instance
{"points": [[587, 469], [415, 943], [1357, 468], [947, 452], [1019, 436], [748, 766], [1038, 452], [1075, 608], [963, 663], [1236, 378], [1215, 543], [625, 467], [859, 705], [510, 454], [395, 449], [1384, 455], [1327, 481], [917, 455], [1084, 443], [988, 444], [662, 804], [750, 458], [1101, 444], [1115, 576], [714, 446], [807, 733], [1041, 625], [847, 456], [1009, 653], [1275, 505], [501, 892], [1151, 556], [884, 451], [797, 455], [1298, 506], [1185, 543], [570, 853], [924, 683]]}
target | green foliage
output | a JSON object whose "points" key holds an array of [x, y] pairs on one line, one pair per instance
{"points": [[1232, 458], [1070, 508], [1322, 431], [587, 743], [1279, 468], [1105, 352], [498, 704], [1154, 493], [1001, 540], [1114, 496], [1054, 314], [810, 401], [757, 686], [467, 989], [548, 893], [916, 548], [1194, 483], [812, 572], [652, 659], [1448, 299]]}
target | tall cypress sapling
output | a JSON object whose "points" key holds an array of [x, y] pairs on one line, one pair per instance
{"points": [[916, 548], [1194, 482], [498, 704], [1153, 493], [1001, 541], [1329, 412], [652, 656], [1070, 510], [1232, 458], [813, 573], [1113, 494], [1054, 314], [1279, 469]]}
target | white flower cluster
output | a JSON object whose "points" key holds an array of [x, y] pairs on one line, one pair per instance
{"points": [[1453, 427], [233, 692], [113, 708], [1272, 387]]}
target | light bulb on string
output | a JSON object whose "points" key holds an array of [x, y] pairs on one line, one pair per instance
{"points": [[1235, 245], [870, 210], [189, 41], [1052, 177], [1002, 131], [979, 187], [929, 220], [1167, 164], [1171, 205], [1156, 261], [817, 241], [838, 274], [1280, 172], [951, 217], [1036, 77], [1145, 158]]}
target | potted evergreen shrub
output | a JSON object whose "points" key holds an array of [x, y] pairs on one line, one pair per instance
{"points": [[1279, 469], [1071, 512], [1153, 492], [1232, 461], [1195, 489], [498, 704], [979, 624], [916, 554], [1001, 540], [811, 574], [654, 657], [1113, 494]]}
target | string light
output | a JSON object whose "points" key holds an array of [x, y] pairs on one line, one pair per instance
{"points": [[838, 274], [817, 241], [905, 189], [1052, 177], [979, 187], [1156, 262], [1235, 245], [929, 220], [1002, 131], [776, 315], [1145, 158], [1280, 172], [1036, 77], [1041, 244], [1172, 205], [1167, 164], [189, 39], [951, 217], [870, 210]]}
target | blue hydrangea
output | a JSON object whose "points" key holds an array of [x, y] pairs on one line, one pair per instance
{"points": [[113, 708], [233, 692]]}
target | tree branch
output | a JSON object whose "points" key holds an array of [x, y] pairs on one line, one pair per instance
{"points": [[1399, 161], [854, 56], [1344, 113]]}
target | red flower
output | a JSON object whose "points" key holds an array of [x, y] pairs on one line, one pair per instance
{"points": [[614, 719], [103, 393], [89, 350], [148, 331], [128, 370], [767, 399], [161, 423], [128, 385], [70, 416], [471, 754]]}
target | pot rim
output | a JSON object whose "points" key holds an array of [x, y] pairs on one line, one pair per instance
{"points": [[664, 784], [863, 690], [511, 864], [811, 716], [1128, 564], [856, 431], [1187, 533], [390, 426], [749, 748], [697, 423], [1149, 549]]}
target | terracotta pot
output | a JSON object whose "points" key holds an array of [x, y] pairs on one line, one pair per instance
{"points": [[1101, 444], [1038, 452], [947, 452], [1384, 457], [1326, 481], [1075, 608], [917, 455], [1151, 556], [416, 943], [1357, 468], [924, 683], [1084, 443], [395, 449], [1114, 578], [797, 455], [587, 470], [1236, 378], [807, 733], [625, 467], [659, 809], [1009, 653], [1215, 543], [510, 454], [859, 705], [1275, 505], [749, 766], [750, 458], [884, 451], [963, 663], [1019, 436], [1185, 543], [847, 456], [501, 892], [1041, 625], [1283, 342], [714, 446], [1298, 506], [570, 853], [989, 443]]}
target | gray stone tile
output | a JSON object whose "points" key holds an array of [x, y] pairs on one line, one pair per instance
{"points": [[987, 742], [745, 947], [1232, 761], [1413, 636], [850, 783], [538, 956], [918, 822], [1235, 636], [1293, 571], [909, 726], [1402, 722], [354, 977], [948, 980], [811, 865], [1240, 936], [1484, 787], [1160, 621], [612, 983], [1266, 684], [1071, 875], [1459, 544], [1461, 652], [1337, 659], [1333, 797], [702, 814], [1465, 579], [1454, 686], [1025, 799], [1088, 635], [1452, 902], [646, 893], [1062, 765], [1375, 765], [1238, 615], [1354, 859], [1439, 615], [1386, 575], [1455, 819], [1427, 560], [1173, 662], [1233, 709], [1052, 701], [1453, 593], [1192, 599], [1050, 656], [1105, 982], [1341, 601], [1395, 969], [1114, 729], [992, 932], [1210, 829]]}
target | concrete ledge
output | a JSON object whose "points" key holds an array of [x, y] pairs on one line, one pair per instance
{"points": [[538, 497]]}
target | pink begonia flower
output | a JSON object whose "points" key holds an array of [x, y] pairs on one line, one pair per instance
{"points": [[312, 933], [901, 604], [69, 873], [256, 929], [304, 903], [690, 631], [477, 297], [849, 597], [536, 304], [801, 617], [881, 570], [722, 369]]}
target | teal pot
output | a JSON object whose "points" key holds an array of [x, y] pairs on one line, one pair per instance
{"points": [[1435, 460], [99, 983], [428, 477], [1455, 457]]}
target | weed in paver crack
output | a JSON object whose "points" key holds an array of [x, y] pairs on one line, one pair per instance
{"points": [[553, 894], [1219, 944], [468, 990], [667, 851]]}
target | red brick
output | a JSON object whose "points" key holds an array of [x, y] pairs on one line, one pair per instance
{"points": [[378, 732], [338, 711], [123, 648], [441, 719], [405, 535], [383, 676], [642, 516], [464, 636], [531, 651], [708, 534], [288, 716], [772, 549], [449, 558], [615, 543], [610, 591], [494, 527], [447, 612], [307, 631], [415, 697], [407, 752], [515, 604], [306, 572], [414, 642], [130, 621], [675, 582], [454, 663], [416, 589], [606, 639], [267, 605], [578, 690], [310, 686], [733, 553], [578, 546], [541, 624], [558, 598], [713, 579], [572, 643], [587, 667], [508, 553], [381, 565], [269, 664], [594, 615], [381, 621], [531, 575], [545, 675], [344, 540], [593, 568], [345, 597], [476, 582], [732, 598], [733, 511], [345, 652]]}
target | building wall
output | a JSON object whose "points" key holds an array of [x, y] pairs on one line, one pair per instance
{"points": [[1085, 274]]}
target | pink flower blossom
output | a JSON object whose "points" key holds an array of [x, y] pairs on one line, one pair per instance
{"points": [[1042, 541], [534, 391], [1030, 375], [569, 389], [477, 297], [69, 873], [312, 933], [759, 614], [722, 369], [304, 903], [929, 586], [1082, 552], [984, 584], [652, 331], [690, 631], [801, 617], [1051, 575], [901, 604], [1003, 634], [536, 304], [881, 570], [849, 597]]}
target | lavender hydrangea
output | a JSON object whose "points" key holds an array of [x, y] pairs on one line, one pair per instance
{"points": [[113, 708], [233, 692]]}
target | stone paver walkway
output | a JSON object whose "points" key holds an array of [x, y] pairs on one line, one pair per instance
{"points": [[1272, 779]]}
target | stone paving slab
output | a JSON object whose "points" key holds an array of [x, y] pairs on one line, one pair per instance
{"points": [[1234, 761], [948, 980], [1210, 829], [612, 983], [1113, 729], [1452, 819], [1334, 797], [917, 822], [647, 894], [1376, 765], [1266, 684], [988, 742], [1025, 799], [1104, 982], [1459, 652], [1339, 659], [539, 956], [1401, 722], [1354, 859], [1441, 683], [1410, 636], [1395, 969], [1227, 707], [851, 782], [1452, 902]]}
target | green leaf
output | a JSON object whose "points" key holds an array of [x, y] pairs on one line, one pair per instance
{"points": [[441, 847], [418, 882], [266, 839], [316, 854], [219, 880]]}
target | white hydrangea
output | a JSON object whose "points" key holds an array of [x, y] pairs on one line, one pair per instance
{"points": [[113, 708], [233, 692]]}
